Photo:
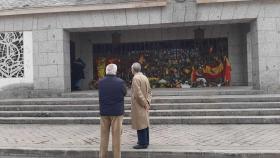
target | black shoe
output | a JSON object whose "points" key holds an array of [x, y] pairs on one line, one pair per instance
{"points": [[140, 146]]}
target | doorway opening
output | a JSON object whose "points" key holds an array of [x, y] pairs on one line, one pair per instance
{"points": [[169, 63], [175, 57]]}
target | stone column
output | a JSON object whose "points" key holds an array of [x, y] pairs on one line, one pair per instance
{"points": [[51, 60], [266, 56], [249, 59]]}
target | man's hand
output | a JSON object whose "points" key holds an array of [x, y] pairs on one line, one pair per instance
{"points": [[147, 107]]}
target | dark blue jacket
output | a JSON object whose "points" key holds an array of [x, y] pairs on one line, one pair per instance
{"points": [[111, 96]]}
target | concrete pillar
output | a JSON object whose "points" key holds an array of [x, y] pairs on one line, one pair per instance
{"points": [[249, 59], [266, 56], [51, 60]]}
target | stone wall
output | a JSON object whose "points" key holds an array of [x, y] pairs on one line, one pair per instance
{"points": [[175, 13], [51, 41], [51, 60], [266, 55]]}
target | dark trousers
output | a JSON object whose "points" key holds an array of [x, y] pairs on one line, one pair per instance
{"points": [[143, 136]]}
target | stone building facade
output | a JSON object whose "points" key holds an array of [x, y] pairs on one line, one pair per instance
{"points": [[251, 26]]}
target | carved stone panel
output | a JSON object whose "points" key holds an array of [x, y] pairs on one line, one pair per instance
{"points": [[11, 55]]}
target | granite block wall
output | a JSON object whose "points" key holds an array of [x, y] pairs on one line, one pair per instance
{"points": [[51, 35]]}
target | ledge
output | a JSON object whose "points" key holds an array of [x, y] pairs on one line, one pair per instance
{"points": [[218, 1], [94, 7]]}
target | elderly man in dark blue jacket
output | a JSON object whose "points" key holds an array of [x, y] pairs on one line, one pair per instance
{"points": [[111, 99]]}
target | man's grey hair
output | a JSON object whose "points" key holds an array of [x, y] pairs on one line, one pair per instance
{"points": [[136, 67], [111, 69]]}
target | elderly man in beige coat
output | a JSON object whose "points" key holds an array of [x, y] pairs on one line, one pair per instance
{"points": [[140, 105]]}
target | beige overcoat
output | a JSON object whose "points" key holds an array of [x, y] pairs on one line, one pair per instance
{"points": [[141, 96]]}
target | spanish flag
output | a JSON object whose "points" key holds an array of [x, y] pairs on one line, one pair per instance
{"points": [[213, 72]]}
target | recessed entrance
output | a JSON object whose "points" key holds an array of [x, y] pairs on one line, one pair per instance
{"points": [[168, 64], [176, 57]]}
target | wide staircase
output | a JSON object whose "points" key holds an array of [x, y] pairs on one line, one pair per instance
{"points": [[235, 105]]}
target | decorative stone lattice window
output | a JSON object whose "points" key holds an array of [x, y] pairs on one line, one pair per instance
{"points": [[11, 55]]}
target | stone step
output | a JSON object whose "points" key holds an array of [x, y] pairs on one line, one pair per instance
{"points": [[222, 105], [155, 106], [159, 106], [177, 92], [217, 112], [192, 112], [217, 99], [47, 107], [155, 152], [159, 99], [153, 120]]}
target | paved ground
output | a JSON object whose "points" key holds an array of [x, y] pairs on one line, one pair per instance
{"points": [[163, 137]]}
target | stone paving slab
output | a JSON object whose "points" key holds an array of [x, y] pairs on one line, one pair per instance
{"points": [[163, 137], [167, 141]]}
